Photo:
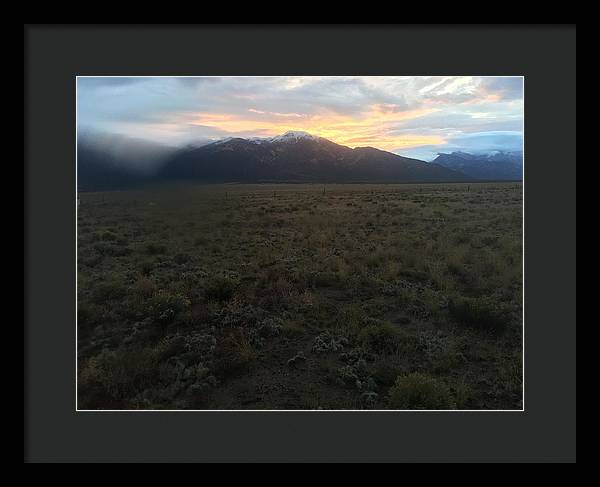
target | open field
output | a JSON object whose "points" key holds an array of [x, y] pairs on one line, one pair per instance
{"points": [[301, 297]]}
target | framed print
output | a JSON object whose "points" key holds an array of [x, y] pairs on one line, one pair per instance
{"points": [[276, 250], [300, 243]]}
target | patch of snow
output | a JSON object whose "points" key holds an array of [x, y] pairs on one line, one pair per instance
{"points": [[257, 140], [222, 141], [290, 136], [293, 136]]}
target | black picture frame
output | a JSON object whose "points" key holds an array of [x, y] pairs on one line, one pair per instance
{"points": [[545, 55]]}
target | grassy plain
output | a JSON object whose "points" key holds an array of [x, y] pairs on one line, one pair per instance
{"points": [[291, 296]]}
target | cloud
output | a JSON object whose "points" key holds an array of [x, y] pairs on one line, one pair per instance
{"points": [[137, 155], [508, 88], [487, 141], [95, 82], [392, 113], [479, 142]]}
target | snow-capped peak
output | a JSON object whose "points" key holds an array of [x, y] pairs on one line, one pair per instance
{"points": [[290, 136], [293, 136]]}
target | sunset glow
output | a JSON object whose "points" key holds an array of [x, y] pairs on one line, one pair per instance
{"points": [[408, 115]]}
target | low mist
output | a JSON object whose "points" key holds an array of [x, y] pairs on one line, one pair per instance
{"points": [[129, 154]]}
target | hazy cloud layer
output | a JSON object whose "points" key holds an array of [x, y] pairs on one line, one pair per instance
{"points": [[407, 115]]}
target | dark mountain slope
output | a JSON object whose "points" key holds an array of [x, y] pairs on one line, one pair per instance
{"points": [[498, 165], [298, 157]]}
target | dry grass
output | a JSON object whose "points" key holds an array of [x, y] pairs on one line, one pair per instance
{"points": [[423, 261]]}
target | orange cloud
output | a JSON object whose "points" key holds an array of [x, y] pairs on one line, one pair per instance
{"points": [[371, 127]]}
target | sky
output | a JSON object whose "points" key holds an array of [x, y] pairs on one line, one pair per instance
{"points": [[415, 116]]}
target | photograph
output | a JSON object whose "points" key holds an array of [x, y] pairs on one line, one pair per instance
{"points": [[299, 243]]}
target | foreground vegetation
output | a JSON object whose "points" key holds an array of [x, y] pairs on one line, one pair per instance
{"points": [[301, 297]]}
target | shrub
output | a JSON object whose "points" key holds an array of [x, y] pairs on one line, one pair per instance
{"points": [[459, 272], [480, 313], [489, 240], [200, 312], [181, 258], [108, 290], [164, 306], [386, 374], [86, 316], [350, 320], [462, 394], [379, 337], [146, 267], [420, 391], [91, 260], [220, 289], [233, 352], [237, 314], [119, 374], [325, 279], [153, 248], [145, 287], [200, 241], [282, 287], [110, 249], [108, 236]]}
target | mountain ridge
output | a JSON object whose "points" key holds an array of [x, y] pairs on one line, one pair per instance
{"points": [[294, 156], [499, 165], [298, 156]]}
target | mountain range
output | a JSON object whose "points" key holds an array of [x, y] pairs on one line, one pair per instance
{"points": [[492, 165], [297, 156], [291, 157]]}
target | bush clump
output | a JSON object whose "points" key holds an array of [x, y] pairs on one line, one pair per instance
{"points": [[87, 314], [220, 289], [325, 279], [385, 373], [146, 266], [480, 313], [108, 290], [165, 306], [154, 248], [110, 249], [181, 258], [420, 391], [233, 352], [119, 374], [108, 236], [379, 337]]}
